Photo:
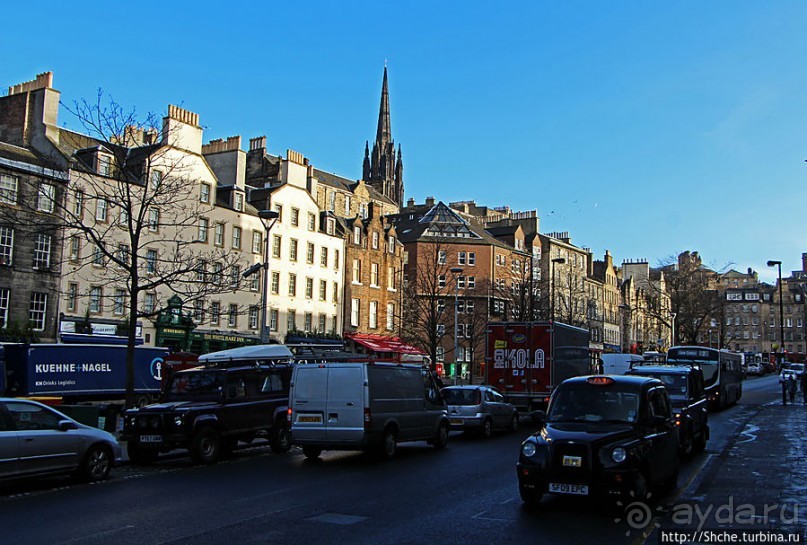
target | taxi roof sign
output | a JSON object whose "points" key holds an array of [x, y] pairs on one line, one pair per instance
{"points": [[601, 381]]}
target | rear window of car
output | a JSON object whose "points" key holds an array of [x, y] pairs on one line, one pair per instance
{"points": [[458, 396]]}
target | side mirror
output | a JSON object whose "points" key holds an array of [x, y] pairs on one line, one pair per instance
{"points": [[65, 425]]}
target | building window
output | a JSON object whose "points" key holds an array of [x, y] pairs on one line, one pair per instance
{"points": [[323, 257], [198, 311], [236, 237], [37, 310], [309, 288], [8, 190], [204, 193], [204, 225], [98, 257], [357, 271], [279, 210], [323, 291], [42, 251], [78, 204], [312, 222], [257, 242], [461, 258], [347, 205], [295, 217], [201, 271], [45, 197], [217, 277], [330, 226], [336, 292], [291, 320], [355, 312], [151, 261], [471, 258], [253, 317], [391, 244], [332, 201], [96, 299], [218, 234], [292, 284], [357, 235], [273, 316], [154, 220], [239, 202], [119, 302], [390, 316], [363, 210], [156, 180], [441, 257], [375, 240], [72, 296], [6, 245], [322, 323], [275, 282], [101, 206], [307, 322], [336, 260], [104, 165], [373, 314], [309, 255], [215, 312], [276, 242], [235, 276], [255, 282], [471, 282], [4, 296], [441, 281], [390, 278], [123, 255], [293, 250], [232, 316], [374, 275]]}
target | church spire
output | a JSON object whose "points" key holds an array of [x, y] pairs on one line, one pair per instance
{"points": [[384, 132]]}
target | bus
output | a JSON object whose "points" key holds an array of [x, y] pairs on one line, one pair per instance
{"points": [[722, 372]]}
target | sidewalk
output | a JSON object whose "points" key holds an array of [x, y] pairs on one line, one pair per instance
{"points": [[758, 483]]}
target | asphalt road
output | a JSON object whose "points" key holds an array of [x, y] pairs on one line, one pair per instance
{"points": [[466, 494]]}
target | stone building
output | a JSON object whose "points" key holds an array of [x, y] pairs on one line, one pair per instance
{"points": [[609, 303], [646, 307]]}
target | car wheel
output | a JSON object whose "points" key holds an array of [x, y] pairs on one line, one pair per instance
{"points": [[139, 455], [206, 446], [441, 439], [530, 496], [312, 453], [687, 445], [389, 445], [96, 464], [514, 424], [487, 429], [281, 438]]}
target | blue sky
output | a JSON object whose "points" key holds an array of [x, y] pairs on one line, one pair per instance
{"points": [[644, 128]]}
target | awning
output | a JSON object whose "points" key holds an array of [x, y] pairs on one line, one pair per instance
{"points": [[384, 343]]}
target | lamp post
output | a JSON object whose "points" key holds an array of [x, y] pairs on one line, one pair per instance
{"points": [[672, 329], [774, 263], [265, 216], [552, 291], [456, 271]]}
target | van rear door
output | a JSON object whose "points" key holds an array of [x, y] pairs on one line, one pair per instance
{"points": [[346, 402], [309, 396]]}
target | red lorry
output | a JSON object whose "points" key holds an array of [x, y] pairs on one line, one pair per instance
{"points": [[525, 361]]}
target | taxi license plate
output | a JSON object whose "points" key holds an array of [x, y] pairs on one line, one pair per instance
{"points": [[310, 418], [563, 488], [457, 421], [151, 438], [572, 461]]}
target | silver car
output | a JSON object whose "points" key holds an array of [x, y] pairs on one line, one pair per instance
{"points": [[37, 440], [479, 409]]}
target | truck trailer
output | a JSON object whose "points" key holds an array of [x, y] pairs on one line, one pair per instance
{"points": [[526, 361]]}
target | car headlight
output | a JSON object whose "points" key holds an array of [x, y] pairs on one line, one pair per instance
{"points": [[178, 420], [619, 455], [528, 449]]}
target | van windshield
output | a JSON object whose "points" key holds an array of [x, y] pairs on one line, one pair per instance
{"points": [[458, 396]]}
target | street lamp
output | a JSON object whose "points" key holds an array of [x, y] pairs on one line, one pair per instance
{"points": [[672, 329], [456, 271], [552, 291], [774, 263], [265, 216]]}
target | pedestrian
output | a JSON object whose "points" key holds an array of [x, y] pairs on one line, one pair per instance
{"points": [[791, 387]]}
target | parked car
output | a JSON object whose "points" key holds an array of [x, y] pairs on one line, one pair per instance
{"points": [[688, 398], [606, 436], [797, 369], [236, 395], [479, 409], [37, 440], [365, 406], [756, 369]]}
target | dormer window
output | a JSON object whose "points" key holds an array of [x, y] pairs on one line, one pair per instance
{"points": [[238, 202], [104, 164], [330, 226]]}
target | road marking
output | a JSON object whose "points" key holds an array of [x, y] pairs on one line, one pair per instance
{"points": [[750, 431], [98, 534]]}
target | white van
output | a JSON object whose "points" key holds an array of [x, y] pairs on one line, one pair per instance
{"points": [[365, 406], [618, 364]]}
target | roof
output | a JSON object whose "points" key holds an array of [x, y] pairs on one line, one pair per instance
{"points": [[248, 353], [23, 155], [441, 223]]}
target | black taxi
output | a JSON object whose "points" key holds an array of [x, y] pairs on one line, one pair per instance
{"points": [[602, 435], [688, 397]]}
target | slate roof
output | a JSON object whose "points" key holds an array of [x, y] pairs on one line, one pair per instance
{"points": [[441, 219]]}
